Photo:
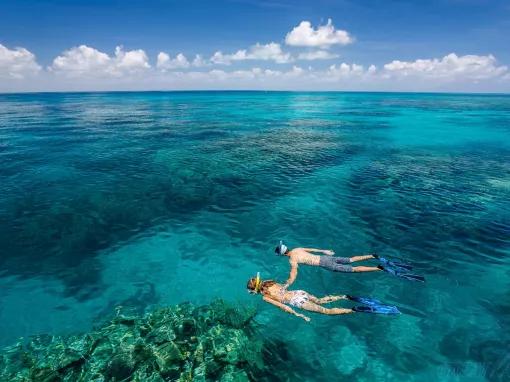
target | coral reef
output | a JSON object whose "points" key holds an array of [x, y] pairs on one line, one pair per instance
{"points": [[216, 342]]}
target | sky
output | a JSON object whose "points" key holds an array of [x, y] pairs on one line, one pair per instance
{"points": [[370, 45]]}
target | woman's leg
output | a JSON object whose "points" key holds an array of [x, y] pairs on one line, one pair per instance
{"points": [[326, 299], [313, 307]]}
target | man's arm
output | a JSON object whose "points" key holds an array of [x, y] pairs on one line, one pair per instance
{"points": [[324, 251], [293, 273], [285, 308]]}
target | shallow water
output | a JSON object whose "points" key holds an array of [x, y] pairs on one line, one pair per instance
{"points": [[143, 199]]}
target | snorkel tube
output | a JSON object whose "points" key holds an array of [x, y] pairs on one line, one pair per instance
{"points": [[258, 283], [254, 285]]}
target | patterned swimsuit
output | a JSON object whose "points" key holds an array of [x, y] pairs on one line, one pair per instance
{"points": [[299, 297]]}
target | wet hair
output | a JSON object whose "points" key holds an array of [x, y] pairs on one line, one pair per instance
{"points": [[253, 282]]}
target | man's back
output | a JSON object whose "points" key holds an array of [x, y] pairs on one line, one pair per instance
{"points": [[301, 256]]}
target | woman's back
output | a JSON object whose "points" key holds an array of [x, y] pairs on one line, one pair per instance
{"points": [[279, 293]]}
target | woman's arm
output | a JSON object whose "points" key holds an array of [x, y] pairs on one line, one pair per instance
{"points": [[285, 308]]}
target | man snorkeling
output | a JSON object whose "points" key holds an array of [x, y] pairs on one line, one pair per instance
{"points": [[278, 295], [340, 264]]}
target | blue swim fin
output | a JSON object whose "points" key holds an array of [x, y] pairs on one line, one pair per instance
{"points": [[377, 309], [401, 274], [394, 264], [364, 300]]}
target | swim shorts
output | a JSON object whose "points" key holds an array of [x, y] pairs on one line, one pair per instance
{"points": [[336, 264]]}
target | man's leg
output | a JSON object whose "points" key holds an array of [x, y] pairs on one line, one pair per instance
{"points": [[361, 258], [342, 264], [363, 268]]}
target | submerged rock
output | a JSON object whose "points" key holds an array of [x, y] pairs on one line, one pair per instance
{"points": [[179, 343]]}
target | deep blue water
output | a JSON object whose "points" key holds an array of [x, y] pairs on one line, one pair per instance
{"points": [[143, 199]]}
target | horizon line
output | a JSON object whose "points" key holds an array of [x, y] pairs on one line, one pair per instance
{"points": [[253, 91]]}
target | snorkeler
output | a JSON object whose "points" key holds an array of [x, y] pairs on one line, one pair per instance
{"points": [[278, 295], [340, 264]]}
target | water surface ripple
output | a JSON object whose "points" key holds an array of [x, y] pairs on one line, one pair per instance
{"points": [[142, 199]]}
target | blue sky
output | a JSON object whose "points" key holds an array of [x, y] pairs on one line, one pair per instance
{"points": [[380, 33]]}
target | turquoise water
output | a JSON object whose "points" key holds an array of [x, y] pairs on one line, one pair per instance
{"points": [[145, 199]]}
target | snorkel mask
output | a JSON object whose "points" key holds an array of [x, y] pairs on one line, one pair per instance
{"points": [[281, 249]]}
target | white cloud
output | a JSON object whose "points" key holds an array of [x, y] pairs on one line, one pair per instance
{"points": [[449, 68], [263, 52], [164, 62], [448, 71], [220, 58], [81, 59], [317, 55], [344, 71], [85, 68], [296, 71], [324, 36], [271, 51], [17, 63], [84, 60], [132, 60], [198, 61], [254, 76]]}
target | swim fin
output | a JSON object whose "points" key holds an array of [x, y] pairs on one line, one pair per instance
{"points": [[377, 309], [401, 274], [394, 264], [364, 300]]}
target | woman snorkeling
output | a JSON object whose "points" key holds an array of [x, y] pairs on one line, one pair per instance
{"points": [[277, 295]]}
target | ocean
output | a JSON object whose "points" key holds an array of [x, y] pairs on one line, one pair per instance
{"points": [[148, 199]]}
